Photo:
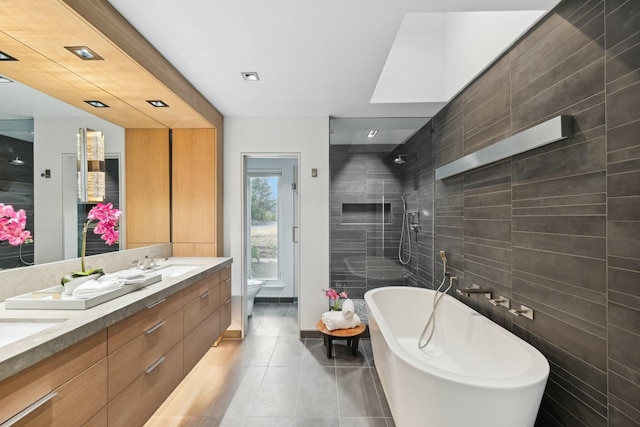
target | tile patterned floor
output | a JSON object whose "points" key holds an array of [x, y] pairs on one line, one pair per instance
{"points": [[273, 378]]}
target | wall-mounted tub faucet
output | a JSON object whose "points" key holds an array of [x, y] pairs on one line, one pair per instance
{"points": [[474, 289]]}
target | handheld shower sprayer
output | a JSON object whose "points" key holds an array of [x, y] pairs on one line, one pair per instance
{"points": [[443, 255], [430, 326]]}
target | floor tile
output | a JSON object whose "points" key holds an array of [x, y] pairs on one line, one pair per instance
{"points": [[274, 378], [362, 422], [252, 351], [196, 393], [315, 353], [343, 357], [383, 399], [237, 396], [317, 422], [278, 392], [287, 352], [317, 392], [357, 393]]}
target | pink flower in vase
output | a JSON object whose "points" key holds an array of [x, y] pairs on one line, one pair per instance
{"points": [[334, 297]]}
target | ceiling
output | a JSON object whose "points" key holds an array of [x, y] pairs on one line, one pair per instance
{"points": [[317, 58]]}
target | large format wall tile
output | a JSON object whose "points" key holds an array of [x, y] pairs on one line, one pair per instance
{"points": [[623, 191], [557, 228]]}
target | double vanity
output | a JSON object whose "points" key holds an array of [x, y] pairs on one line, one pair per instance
{"points": [[116, 362]]}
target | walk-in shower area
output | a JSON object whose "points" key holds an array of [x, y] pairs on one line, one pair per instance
{"points": [[381, 209]]}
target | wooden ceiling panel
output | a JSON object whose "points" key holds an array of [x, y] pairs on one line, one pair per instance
{"points": [[36, 32]]}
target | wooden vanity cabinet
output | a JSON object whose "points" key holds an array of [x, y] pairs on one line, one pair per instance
{"points": [[225, 298], [68, 388], [201, 320], [121, 375], [151, 351]]}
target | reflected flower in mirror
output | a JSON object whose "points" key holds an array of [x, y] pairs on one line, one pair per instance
{"points": [[12, 226]]}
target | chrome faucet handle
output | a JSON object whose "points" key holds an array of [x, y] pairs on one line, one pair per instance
{"points": [[522, 311], [500, 301]]}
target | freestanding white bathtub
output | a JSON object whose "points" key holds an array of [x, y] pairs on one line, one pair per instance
{"points": [[472, 373]]}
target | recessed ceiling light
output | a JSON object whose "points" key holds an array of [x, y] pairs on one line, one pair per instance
{"points": [[372, 133], [5, 57], [97, 104], [5, 80], [157, 103], [84, 53], [250, 76]]}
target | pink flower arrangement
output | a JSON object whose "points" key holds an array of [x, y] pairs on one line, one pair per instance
{"points": [[334, 296], [107, 217], [12, 226]]}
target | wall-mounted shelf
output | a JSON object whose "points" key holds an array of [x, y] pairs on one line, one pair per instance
{"points": [[552, 130]]}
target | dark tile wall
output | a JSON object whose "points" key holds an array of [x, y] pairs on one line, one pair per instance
{"points": [[363, 256], [417, 187], [16, 189], [557, 228]]}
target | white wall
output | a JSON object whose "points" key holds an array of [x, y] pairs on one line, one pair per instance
{"points": [[473, 40], [52, 138], [308, 137]]}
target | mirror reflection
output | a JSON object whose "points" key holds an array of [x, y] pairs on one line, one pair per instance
{"points": [[38, 173]]}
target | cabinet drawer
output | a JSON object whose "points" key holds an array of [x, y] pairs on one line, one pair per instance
{"points": [[225, 316], [63, 408], [129, 328], [225, 273], [130, 360], [138, 401], [23, 389], [225, 289], [200, 308], [200, 340]]}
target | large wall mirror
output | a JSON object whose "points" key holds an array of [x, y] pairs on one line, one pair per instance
{"points": [[38, 173]]}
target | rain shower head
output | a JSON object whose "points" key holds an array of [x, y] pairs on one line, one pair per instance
{"points": [[400, 159]]}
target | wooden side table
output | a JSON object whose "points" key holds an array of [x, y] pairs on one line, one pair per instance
{"points": [[352, 336]]}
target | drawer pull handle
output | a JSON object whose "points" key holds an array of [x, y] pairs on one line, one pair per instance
{"points": [[227, 301], [157, 303], [227, 280], [155, 327], [206, 294], [155, 365], [29, 409]]}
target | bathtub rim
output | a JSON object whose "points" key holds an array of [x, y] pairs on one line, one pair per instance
{"points": [[536, 373]]}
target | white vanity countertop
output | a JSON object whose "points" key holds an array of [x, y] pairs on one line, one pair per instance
{"points": [[76, 325]]}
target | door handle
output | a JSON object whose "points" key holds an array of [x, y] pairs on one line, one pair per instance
{"points": [[294, 232]]}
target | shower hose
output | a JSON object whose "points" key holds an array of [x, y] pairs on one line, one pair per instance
{"points": [[431, 323]]}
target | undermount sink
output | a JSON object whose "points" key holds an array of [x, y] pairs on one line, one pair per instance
{"points": [[176, 270], [13, 330]]}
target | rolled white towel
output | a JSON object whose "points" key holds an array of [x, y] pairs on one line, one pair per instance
{"points": [[92, 288], [335, 320], [348, 309]]}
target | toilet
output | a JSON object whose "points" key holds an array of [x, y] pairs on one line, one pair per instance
{"points": [[253, 287]]}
